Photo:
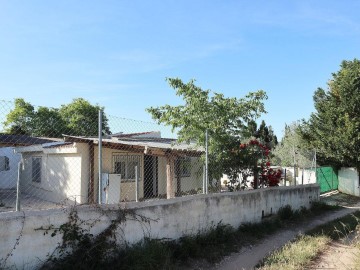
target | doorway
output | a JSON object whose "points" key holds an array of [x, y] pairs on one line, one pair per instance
{"points": [[150, 176]]}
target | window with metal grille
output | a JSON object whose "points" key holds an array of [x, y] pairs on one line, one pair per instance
{"points": [[36, 169], [185, 166], [125, 165]]}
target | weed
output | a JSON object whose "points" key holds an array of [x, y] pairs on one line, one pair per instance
{"points": [[285, 213], [210, 245], [338, 228], [299, 253], [296, 255], [319, 207]]}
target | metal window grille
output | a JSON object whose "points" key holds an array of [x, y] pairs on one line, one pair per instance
{"points": [[125, 165], [185, 166]]}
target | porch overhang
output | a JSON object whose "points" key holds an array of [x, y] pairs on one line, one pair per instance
{"points": [[149, 148]]}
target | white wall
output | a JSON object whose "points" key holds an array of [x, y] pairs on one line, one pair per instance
{"points": [[8, 178], [168, 219], [61, 174], [191, 183], [60, 177], [127, 188], [349, 181], [195, 181]]}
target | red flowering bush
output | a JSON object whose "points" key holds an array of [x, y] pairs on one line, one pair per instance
{"points": [[251, 159]]}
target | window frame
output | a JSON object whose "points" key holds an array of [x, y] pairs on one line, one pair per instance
{"points": [[184, 167], [5, 166], [128, 171], [36, 176]]}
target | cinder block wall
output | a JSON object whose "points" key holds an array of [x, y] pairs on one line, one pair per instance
{"points": [[167, 219]]}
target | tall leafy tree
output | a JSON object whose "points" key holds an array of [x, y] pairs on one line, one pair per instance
{"points": [[47, 122], [334, 129], [292, 149], [226, 120], [265, 134], [19, 120], [81, 118], [76, 118]]}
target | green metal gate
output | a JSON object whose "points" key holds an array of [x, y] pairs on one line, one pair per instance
{"points": [[327, 179]]}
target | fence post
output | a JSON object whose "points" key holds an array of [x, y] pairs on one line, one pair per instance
{"points": [[206, 162], [315, 168], [294, 165], [120, 189], [18, 187], [302, 177], [204, 180], [285, 178], [100, 153], [136, 184]]}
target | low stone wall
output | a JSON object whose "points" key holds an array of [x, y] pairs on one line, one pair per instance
{"points": [[22, 238]]}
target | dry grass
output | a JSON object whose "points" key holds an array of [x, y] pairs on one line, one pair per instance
{"points": [[296, 255], [357, 246], [300, 253]]}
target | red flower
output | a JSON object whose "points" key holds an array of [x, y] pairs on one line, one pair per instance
{"points": [[242, 146], [268, 163]]}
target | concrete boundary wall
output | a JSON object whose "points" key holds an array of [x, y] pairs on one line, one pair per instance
{"points": [[168, 219], [349, 181]]}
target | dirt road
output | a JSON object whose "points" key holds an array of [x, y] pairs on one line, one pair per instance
{"points": [[248, 257]]}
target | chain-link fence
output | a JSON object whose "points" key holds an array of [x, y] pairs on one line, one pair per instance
{"points": [[303, 171], [78, 155], [52, 157]]}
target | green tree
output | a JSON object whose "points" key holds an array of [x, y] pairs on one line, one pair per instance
{"points": [[334, 128], [226, 120], [76, 118], [47, 122], [81, 118], [18, 120], [292, 149], [265, 134]]}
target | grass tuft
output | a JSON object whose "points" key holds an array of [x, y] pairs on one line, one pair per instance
{"points": [[296, 255], [300, 253], [211, 245]]}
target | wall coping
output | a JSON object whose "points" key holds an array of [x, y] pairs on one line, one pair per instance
{"points": [[145, 204]]}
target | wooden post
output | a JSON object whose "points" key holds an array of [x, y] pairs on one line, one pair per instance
{"points": [[256, 177], [178, 177], [170, 177], [91, 184]]}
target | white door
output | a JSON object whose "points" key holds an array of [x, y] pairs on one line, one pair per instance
{"points": [[104, 188], [113, 190]]}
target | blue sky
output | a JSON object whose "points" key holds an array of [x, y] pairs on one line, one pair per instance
{"points": [[118, 53]]}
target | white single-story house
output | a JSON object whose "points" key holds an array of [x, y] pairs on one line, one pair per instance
{"points": [[9, 160], [68, 170], [8, 167]]}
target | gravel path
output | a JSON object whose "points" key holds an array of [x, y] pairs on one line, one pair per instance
{"points": [[249, 257]]}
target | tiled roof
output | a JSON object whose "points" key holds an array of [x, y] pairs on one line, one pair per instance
{"points": [[22, 140]]}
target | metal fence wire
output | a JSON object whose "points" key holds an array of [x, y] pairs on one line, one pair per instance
{"points": [[48, 161], [55, 157]]}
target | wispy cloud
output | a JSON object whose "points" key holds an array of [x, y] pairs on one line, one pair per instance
{"points": [[310, 18], [143, 60]]}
